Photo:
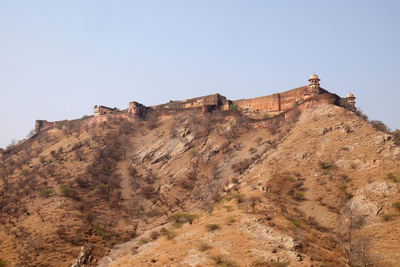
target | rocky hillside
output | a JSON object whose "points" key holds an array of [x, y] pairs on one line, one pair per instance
{"points": [[204, 190]]}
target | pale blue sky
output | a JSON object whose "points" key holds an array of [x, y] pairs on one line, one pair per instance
{"points": [[60, 58]]}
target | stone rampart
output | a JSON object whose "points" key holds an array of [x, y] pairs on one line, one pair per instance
{"points": [[276, 107], [292, 113], [272, 104]]}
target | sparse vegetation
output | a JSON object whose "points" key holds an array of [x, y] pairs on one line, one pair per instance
{"points": [[345, 193], [230, 220], [391, 176], [252, 150], [212, 227], [296, 223], [101, 231], [386, 217], [203, 246], [167, 233], [290, 178], [299, 196], [220, 260], [154, 235], [132, 171], [144, 241], [46, 192], [233, 107], [325, 165], [264, 263], [380, 126], [253, 200], [239, 198], [3, 263], [67, 191], [396, 205], [194, 153], [396, 137], [180, 218], [241, 166], [228, 208]]}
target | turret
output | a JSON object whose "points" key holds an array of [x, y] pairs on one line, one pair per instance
{"points": [[313, 87], [351, 99]]}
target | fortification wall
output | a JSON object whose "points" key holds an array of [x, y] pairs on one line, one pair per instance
{"points": [[290, 114], [272, 104], [263, 103], [289, 98]]}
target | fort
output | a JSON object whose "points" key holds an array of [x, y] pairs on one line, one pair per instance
{"points": [[279, 105]]}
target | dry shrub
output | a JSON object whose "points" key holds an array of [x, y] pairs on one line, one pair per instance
{"points": [[132, 171], [325, 165], [221, 260], [380, 126], [148, 191], [180, 218], [212, 227], [167, 233], [396, 137], [203, 246], [241, 166], [154, 235], [186, 183]]}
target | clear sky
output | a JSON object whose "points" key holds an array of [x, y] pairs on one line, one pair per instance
{"points": [[60, 58]]}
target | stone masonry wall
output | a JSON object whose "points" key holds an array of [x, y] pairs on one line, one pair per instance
{"points": [[272, 104], [324, 98]]}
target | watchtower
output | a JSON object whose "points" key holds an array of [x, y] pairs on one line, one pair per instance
{"points": [[313, 87], [351, 99]]}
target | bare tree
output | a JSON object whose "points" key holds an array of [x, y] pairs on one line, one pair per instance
{"points": [[354, 246]]}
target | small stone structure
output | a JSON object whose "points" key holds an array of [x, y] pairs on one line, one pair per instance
{"points": [[351, 99], [210, 102], [101, 110], [137, 110]]}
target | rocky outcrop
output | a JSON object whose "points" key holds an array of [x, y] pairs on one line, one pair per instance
{"points": [[84, 257]]}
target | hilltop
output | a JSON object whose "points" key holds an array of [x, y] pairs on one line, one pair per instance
{"points": [[314, 184]]}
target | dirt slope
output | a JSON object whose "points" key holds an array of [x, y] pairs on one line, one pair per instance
{"points": [[318, 191], [322, 197]]}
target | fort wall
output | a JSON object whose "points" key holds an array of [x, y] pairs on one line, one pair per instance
{"points": [[278, 106], [272, 104], [290, 114]]}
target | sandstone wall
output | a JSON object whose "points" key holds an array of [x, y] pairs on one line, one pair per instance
{"points": [[289, 98], [324, 98], [274, 103]]}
